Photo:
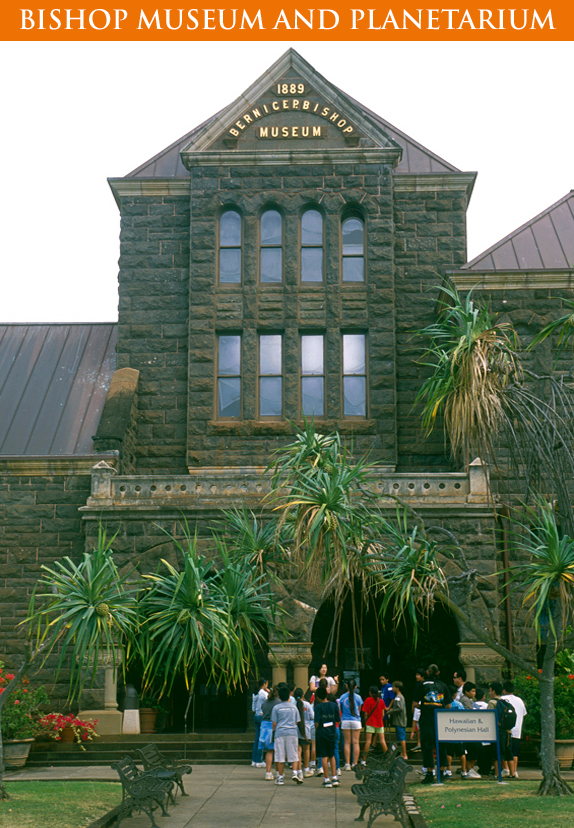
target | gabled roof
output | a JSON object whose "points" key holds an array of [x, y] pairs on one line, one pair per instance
{"points": [[53, 385], [546, 242], [415, 158]]}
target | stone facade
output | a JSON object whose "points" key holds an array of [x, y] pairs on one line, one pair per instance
{"points": [[166, 453]]}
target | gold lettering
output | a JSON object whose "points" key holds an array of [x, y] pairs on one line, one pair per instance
{"points": [[325, 111], [334, 116], [348, 129], [275, 106], [306, 104], [295, 132], [285, 132], [239, 124], [295, 103], [285, 103], [274, 132], [316, 132], [265, 108], [256, 113], [234, 132], [304, 132], [316, 107], [264, 132], [341, 123], [248, 119]]}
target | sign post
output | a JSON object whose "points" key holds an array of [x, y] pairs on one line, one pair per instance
{"points": [[467, 726]]}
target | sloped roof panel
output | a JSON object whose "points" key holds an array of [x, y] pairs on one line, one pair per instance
{"points": [[544, 242], [53, 385], [416, 158]]}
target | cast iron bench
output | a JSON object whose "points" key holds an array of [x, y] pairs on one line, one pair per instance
{"points": [[377, 762], [159, 763], [382, 793], [141, 791]]}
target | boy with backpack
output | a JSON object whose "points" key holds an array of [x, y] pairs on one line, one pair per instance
{"points": [[506, 717]]}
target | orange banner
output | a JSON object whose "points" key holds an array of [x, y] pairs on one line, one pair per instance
{"points": [[289, 21]]}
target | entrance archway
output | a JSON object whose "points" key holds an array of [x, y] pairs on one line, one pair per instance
{"points": [[383, 647]]}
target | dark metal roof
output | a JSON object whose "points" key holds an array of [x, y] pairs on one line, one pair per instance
{"points": [[546, 242], [416, 158], [53, 385]]}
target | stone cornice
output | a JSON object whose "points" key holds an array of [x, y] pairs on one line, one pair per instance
{"points": [[364, 155], [543, 279], [426, 182], [46, 466], [130, 187]]}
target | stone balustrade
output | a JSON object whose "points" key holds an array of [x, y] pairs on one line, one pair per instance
{"points": [[223, 487]]}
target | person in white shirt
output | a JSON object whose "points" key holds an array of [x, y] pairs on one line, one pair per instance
{"points": [[516, 732], [332, 683], [257, 700], [458, 679]]}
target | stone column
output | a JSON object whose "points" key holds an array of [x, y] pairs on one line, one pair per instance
{"points": [[297, 653], [110, 718], [477, 657]]}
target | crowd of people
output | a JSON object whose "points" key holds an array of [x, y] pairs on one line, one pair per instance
{"points": [[313, 729]]}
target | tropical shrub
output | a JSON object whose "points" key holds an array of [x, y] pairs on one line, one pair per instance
{"points": [[22, 708], [528, 688]]}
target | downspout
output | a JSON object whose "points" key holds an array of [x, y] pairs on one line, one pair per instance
{"points": [[505, 517]]}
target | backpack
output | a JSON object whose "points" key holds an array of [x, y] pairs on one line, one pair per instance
{"points": [[506, 715]]}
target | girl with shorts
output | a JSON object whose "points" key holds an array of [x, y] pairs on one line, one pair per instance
{"points": [[350, 705], [373, 713], [266, 732]]}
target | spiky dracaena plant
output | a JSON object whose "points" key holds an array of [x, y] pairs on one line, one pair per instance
{"points": [[85, 609], [203, 615], [474, 361], [546, 581]]}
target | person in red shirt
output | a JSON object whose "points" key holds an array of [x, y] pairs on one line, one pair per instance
{"points": [[372, 712]]}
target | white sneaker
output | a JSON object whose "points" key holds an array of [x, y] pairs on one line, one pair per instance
{"points": [[279, 781], [320, 772], [515, 775], [338, 772], [447, 773], [269, 777], [505, 772], [347, 768], [260, 765], [472, 774], [308, 772]]}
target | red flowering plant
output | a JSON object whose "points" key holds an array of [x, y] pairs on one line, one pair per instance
{"points": [[528, 688], [53, 724], [21, 710]]}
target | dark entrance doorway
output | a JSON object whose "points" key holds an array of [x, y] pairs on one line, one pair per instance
{"points": [[383, 647]]}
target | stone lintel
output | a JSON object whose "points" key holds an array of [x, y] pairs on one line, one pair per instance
{"points": [[49, 465], [476, 656], [365, 155], [427, 182], [290, 652], [137, 187], [558, 279]]}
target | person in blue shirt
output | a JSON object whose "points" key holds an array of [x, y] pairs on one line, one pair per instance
{"points": [[350, 705], [387, 695]]}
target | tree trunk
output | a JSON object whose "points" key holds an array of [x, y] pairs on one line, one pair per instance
{"points": [[552, 783]]}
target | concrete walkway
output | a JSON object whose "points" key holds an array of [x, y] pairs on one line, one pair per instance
{"points": [[238, 795]]}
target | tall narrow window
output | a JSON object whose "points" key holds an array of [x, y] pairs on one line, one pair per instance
{"points": [[311, 246], [353, 231], [230, 248], [312, 376], [229, 376], [271, 261], [354, 376], [270, 375]]}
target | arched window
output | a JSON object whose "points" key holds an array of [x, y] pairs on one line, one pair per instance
{"points": [[271, 252], [311, 246], [230, 248], [353, 232]]}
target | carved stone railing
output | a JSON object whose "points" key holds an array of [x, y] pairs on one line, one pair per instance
{"points": [[218, 488]]}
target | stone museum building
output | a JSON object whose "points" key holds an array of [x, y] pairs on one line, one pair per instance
{"points": [[275, 263]]}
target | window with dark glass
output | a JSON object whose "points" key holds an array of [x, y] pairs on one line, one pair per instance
{"points": [[229, 376], [270, 375], [354, 375], [311, 246], [230, 248], [312, 376], [271, 258], [353, 232]]}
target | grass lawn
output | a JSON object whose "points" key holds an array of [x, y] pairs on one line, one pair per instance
{"points": [[474, 804], [57, 804]]}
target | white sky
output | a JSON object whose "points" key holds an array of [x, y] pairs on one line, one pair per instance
{"points": [[78, 113]]}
